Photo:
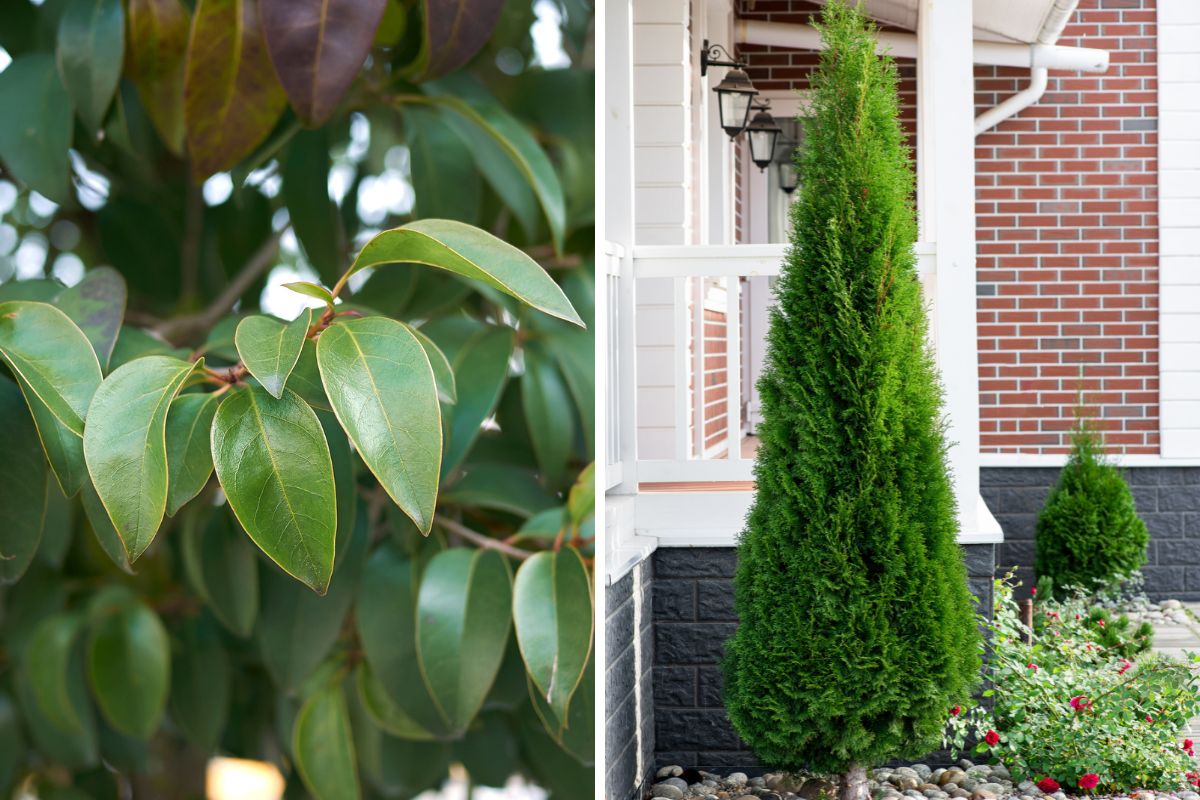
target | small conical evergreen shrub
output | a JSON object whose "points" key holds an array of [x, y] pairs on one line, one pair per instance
{"points": [[1089, 534], [857, 629]]}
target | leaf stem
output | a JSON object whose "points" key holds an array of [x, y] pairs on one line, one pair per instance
{"points": [[479, 539]]}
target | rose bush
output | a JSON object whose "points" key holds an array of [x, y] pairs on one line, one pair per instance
{"points": [[1067, 708]]}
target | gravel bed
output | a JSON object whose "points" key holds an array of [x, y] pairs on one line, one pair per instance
{"points": [[964, 781]]}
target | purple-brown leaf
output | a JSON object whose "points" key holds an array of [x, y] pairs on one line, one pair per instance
{"points": [[317, 47], [454, 33], [154, 58], [232, 98]]}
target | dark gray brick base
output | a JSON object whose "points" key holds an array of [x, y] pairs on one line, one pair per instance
{"points": [[693, 616], [1168, 499], [629, 704]]}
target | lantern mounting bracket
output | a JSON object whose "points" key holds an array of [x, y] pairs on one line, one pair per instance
{"points": [[711, 56]]}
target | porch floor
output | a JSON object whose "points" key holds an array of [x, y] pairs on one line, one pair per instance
{"points": [[749, 448]]}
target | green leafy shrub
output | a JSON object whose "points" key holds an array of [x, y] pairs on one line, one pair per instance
{"points": [[1069, 704], [298, 392], [1089, 534], [857, 629], [1106, 626]]}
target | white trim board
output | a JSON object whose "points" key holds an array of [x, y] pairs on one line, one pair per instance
{"points": [[1018, 460]]}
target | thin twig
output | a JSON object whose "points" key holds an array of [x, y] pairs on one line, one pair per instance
{"points": [[459, 529], [181, 328]]}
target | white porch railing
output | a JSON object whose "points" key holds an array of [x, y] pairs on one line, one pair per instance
{"points": [[678, 444]]}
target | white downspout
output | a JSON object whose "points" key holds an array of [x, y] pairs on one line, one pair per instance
{"points": [[1052, 28]]}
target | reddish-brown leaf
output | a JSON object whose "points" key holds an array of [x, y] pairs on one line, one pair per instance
{"points": [[454, 33], [232, 98], [156, 46], [317, 47]]}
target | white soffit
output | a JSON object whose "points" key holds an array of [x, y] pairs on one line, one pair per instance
{"points": [[994, 20]]}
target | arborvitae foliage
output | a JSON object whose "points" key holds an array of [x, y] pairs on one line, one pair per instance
{"points": [[857, 628], [1089, 534]]}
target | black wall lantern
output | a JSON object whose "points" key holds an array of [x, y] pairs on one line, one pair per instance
{"points": [[763, 133], [789, 176], [735, 91]]}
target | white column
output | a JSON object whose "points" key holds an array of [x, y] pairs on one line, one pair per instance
{"points": [[946, 199], [1179, 227]]}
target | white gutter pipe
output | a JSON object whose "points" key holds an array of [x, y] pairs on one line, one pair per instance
{"points": [[1038, 57]]}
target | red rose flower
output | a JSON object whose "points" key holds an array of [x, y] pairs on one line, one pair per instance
{"points": [[1100, 622], [1033, 667], [1080, 703], [1187, 744], [1048, 785], [1033, 591], [992, 738], [1089, 781], [954, 712], [1149, 718], [1125, 665]]}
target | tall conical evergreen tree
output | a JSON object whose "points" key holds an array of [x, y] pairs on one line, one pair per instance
{"points": [[857, 629]]}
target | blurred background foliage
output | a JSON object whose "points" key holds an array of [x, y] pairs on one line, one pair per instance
{"points": [[104, 163]]}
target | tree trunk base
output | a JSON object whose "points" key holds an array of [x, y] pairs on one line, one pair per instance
{"points": [[854, 784]]}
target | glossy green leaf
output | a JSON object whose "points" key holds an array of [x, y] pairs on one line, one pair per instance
{"points": [[201, 686], [500, 487], [323, 746], [48, 661], [386, 713], [24, 499], [157, 52], [223, 569], [41, 290], [297, 628], [273, 462], [232, 98], [135, 343], [58, 526], [552, 766], [125, 445], [547, 407], [552, 613], [91, 47], [489, 750], [270, 348], [189, 449], [453, 34], [576, 732], [575, 352], [386, 617], [382, 388], [305, 379], [396, 766], [12, 740], [34, 144], [74, 749], [314, 215], [446, 184], [482, 365], [97, 305], [52, 357], [310, 289], [58, 373], [443, 373], [102, 528], [344, 480], [473, 253], [502, 146], [463, 619], [129, 668], [581, 502]]}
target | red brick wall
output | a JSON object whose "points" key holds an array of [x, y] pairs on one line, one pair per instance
{"points": [[1067, 229], [1068, 245]]}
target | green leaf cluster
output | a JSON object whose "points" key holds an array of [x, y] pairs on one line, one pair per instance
{"points": [[856, 625], [346, 528], [1089, 534]]}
